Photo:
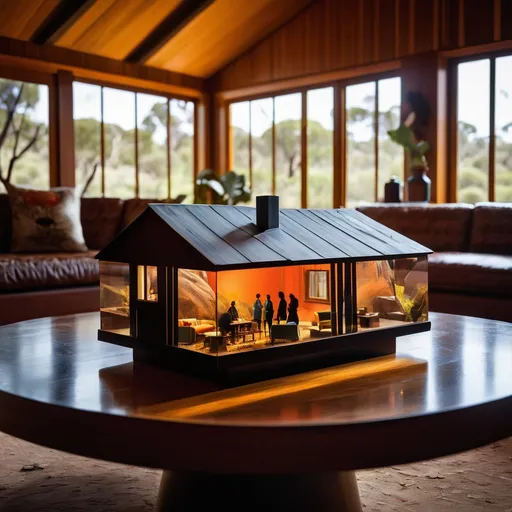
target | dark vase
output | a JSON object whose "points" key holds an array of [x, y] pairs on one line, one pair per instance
{"points": [[418, 184], [392, 190]]}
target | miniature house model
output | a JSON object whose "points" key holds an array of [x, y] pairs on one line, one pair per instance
{"points": [[210, 288]]}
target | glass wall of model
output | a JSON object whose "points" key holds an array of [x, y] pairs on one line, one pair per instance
{"points": [[240, 310]]}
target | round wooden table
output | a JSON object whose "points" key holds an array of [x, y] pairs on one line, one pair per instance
{"points": [[288, 444]]}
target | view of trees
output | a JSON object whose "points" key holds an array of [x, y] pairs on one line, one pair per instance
{"points": [[119, 118], [474, 130], [24, 140], [24, 155], [360, 115]]}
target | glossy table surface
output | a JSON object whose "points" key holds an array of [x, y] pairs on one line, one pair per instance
{"points": [[62, 388]]}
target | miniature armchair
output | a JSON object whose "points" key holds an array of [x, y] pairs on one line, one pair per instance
{"points": [[323, 319]]}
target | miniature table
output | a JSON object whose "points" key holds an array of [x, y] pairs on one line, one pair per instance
{"points": [[287, 445]]}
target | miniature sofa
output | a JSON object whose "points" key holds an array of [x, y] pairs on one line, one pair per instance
{"points": [[189, 328], [470, 272]]}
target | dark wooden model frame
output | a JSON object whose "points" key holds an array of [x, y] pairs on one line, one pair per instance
{"points": [[344, 345]]}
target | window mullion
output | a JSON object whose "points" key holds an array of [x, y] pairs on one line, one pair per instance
{"points": [[492, 132], [273, 145], [168, 146], [304, 150], [102, 144], [376, 140], [251, 185], [136, 152]]}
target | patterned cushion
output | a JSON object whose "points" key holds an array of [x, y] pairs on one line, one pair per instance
{"points": [[46, 221]]}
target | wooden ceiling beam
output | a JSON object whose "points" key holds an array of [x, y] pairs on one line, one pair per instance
{"points": [[60, 19], [186, 11]]}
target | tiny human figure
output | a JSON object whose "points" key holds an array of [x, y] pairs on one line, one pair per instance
{"points": [[269, 313], [293, 306], [233, 311], [257, 311], [281, 309]]}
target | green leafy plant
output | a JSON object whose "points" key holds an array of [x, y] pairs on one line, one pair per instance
{"points": [[404, 136], [230, 188]]}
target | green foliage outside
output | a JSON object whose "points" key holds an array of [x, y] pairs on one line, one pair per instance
{"points": [[360, 159], [31, 158], [24, 151], [32, 169], [152, 154]]}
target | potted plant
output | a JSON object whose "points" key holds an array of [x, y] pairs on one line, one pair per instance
{"points": [[229, 188], [410, 135]]}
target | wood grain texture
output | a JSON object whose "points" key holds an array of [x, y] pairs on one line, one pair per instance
{"points": [[221, 32], [95, 391], [478, 22], [113, 28], [332, 35], [21, 18], [506, 19], [50, 59]]}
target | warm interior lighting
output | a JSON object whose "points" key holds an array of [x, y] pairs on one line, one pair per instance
{"points": [[223, 400]]}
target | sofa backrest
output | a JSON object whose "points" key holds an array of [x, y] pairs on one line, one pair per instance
{"points": [[440, 227], [101, 219], [492, 228], [132, 209]]}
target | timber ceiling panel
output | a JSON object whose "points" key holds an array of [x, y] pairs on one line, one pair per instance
{"points": [[222, 32], [113, 28], [19, 19]]}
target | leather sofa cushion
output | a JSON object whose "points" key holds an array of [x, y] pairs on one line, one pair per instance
{"points": [[472, 273], [101, 218], [24, 272], [492, 228], [440, 227]]}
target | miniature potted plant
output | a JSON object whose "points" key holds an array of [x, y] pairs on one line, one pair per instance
{"points": [[410, 135]]}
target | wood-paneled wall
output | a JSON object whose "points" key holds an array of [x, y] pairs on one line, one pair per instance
{"points": [[338, 34]]}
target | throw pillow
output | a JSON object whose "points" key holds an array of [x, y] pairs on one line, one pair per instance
{"points": [[45, 220]]}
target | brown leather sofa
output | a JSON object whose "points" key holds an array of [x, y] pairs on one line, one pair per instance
{"points": [[470, 271], [51, 284]]}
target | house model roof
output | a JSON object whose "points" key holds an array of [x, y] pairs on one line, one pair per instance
{"points": [[212, 237]]}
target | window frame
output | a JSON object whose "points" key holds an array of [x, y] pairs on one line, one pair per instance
{"points": [[162, 94], [453, 120], [339, 130]]}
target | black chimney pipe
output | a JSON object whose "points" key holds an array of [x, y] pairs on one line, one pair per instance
{"points": [[267, 212]]}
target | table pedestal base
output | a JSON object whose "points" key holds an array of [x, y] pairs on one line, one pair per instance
{"points": [[191, 492]]}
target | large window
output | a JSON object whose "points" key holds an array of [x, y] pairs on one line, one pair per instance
{"points": [[484, 136], [24, 123], [270, 138], [371, 109], [131, 144], [320, 148]]}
